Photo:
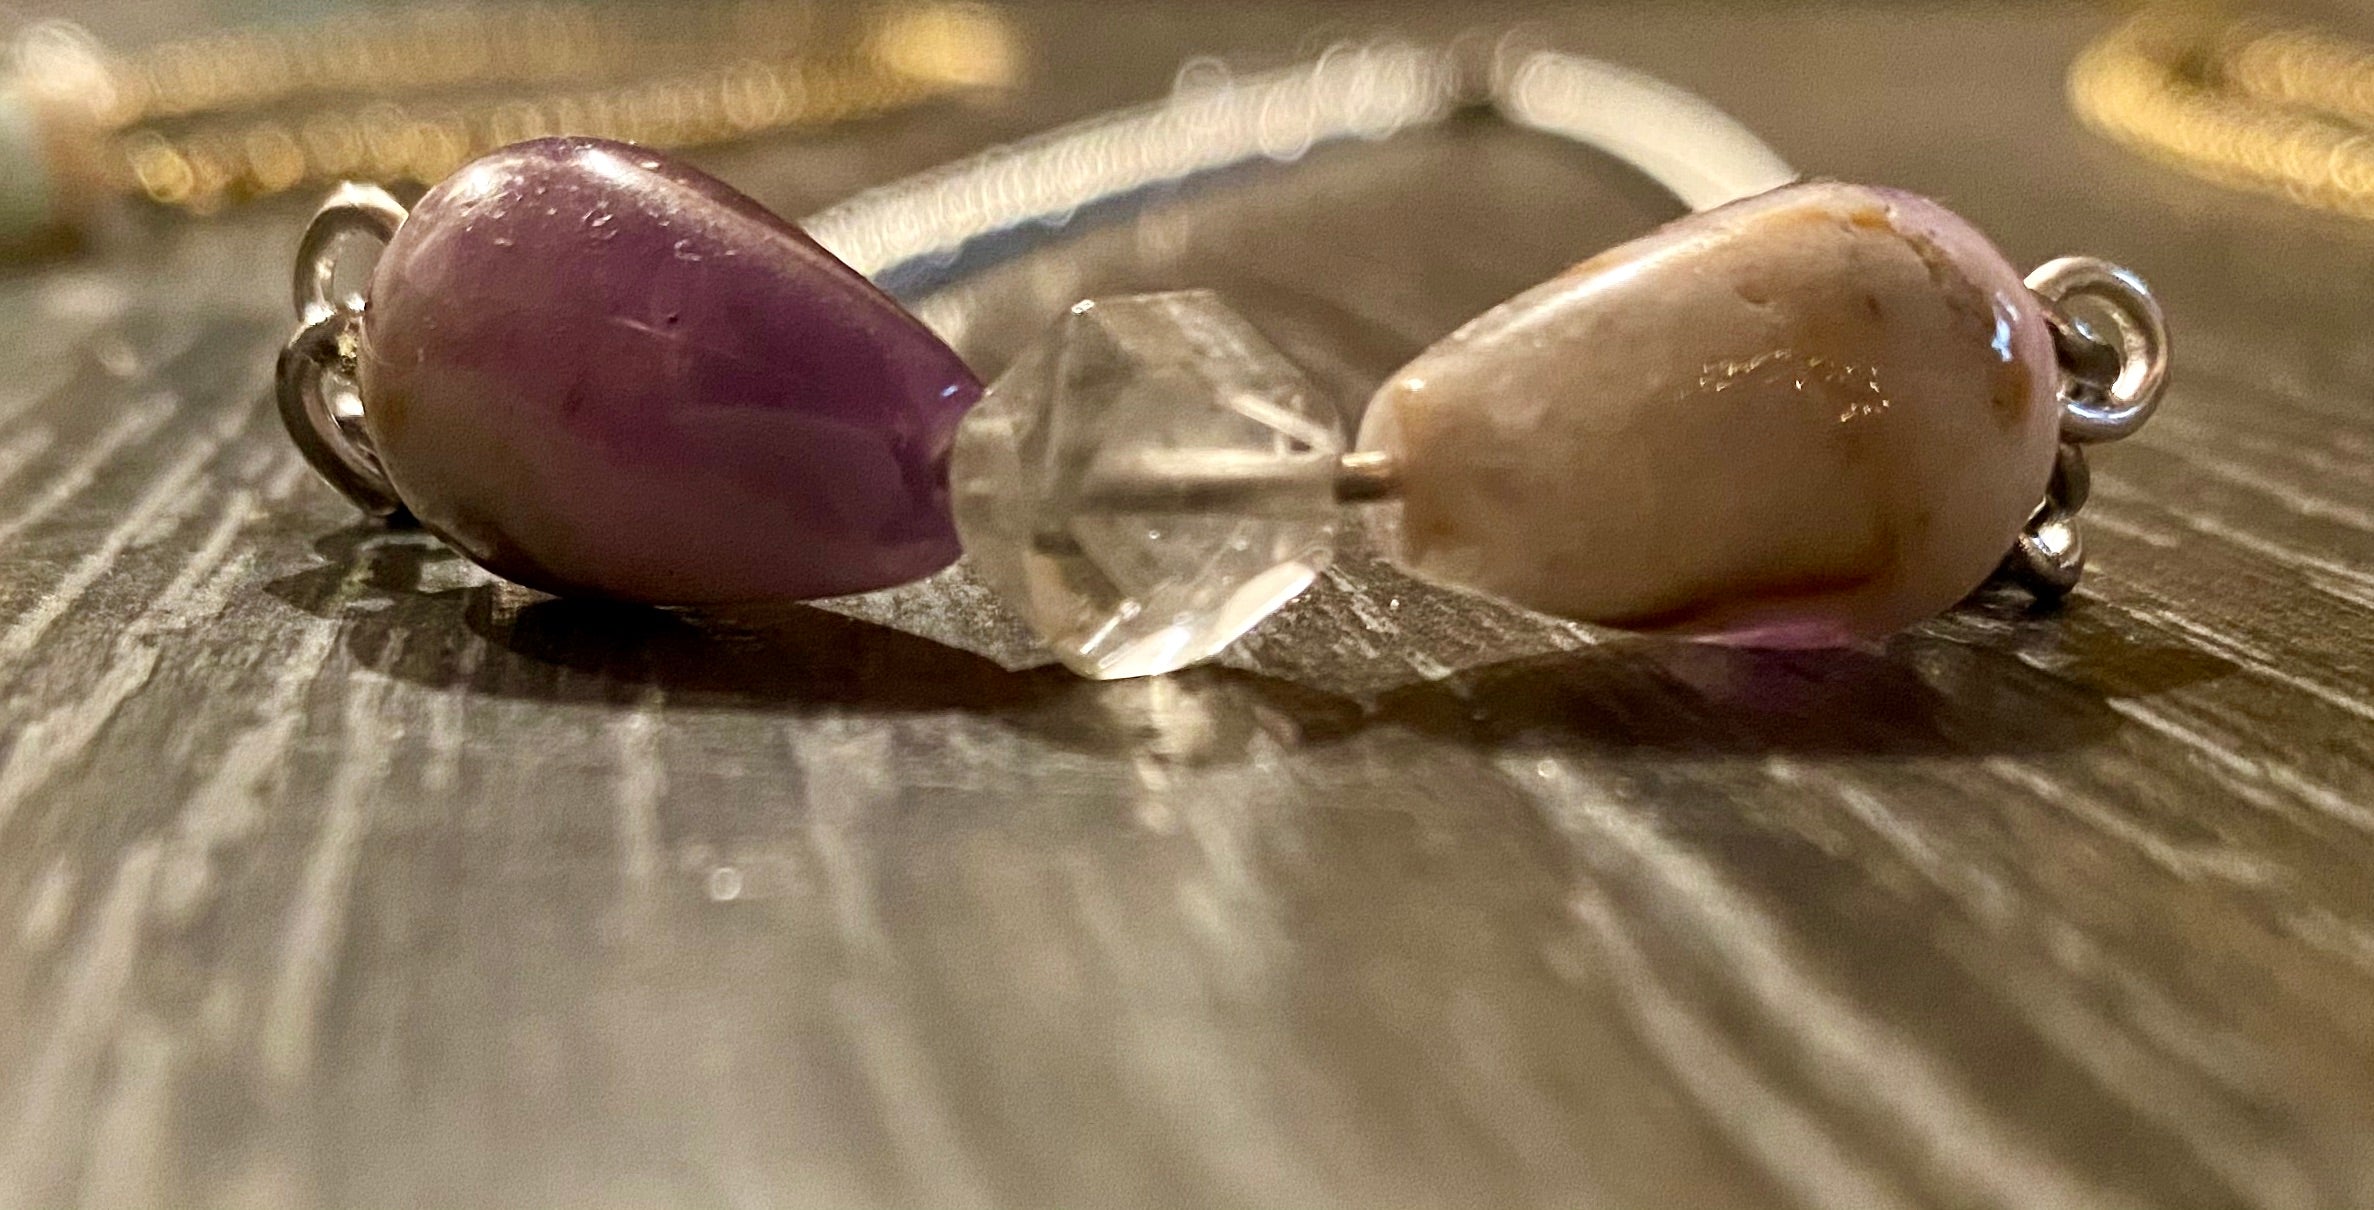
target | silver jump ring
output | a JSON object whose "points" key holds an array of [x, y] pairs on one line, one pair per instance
{"points": [[333, 442], [2099, 405], [2049, 557], [332, 437], [351, 209]]}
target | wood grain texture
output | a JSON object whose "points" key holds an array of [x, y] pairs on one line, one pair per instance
{"points": [[333, 874]]}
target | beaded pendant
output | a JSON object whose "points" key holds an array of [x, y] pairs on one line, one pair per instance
{"points": [[1808, 417]]}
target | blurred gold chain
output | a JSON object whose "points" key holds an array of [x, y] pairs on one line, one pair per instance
{"points": [[2278, 110], [193, 124]]}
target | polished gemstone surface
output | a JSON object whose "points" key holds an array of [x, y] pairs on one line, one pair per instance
{"points": [[1805, 419], [1148, 482], [596, 370]]}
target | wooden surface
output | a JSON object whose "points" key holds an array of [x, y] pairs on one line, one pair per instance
{"points": [[334, 875]]}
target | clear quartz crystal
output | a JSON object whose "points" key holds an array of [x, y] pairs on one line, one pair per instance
{"points": [[1148, 482]]}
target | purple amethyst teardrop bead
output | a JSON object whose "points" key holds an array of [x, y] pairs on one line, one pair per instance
{"points": [[596, 370]]}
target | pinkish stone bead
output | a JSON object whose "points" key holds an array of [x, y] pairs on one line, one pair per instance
{"points": [[596, 370], [1808, 418]]}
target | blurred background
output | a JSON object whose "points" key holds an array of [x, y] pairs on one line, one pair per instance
{"points": [[334, 873]]}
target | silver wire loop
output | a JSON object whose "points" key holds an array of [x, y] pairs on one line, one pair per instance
{"points": [[351, 209], [330, 437], [327, 425], [2107, 391], [2049, 557], [2110, 384]]}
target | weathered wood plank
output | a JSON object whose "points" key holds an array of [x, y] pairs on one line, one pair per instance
{"points": [[334, 874]]}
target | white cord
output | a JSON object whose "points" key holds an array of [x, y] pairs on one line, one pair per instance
{"points": [[1677, 138], [1371, 91]]}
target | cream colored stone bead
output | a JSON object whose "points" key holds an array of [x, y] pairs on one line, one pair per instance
{"points": [[1809, 418]]}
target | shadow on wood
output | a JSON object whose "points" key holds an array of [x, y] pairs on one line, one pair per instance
{"points": [[1923, 695]]}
